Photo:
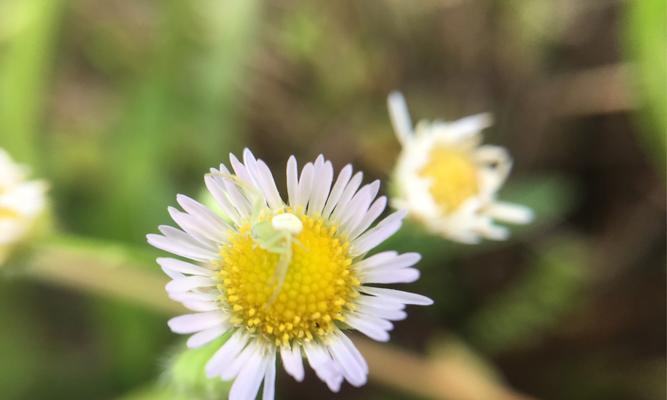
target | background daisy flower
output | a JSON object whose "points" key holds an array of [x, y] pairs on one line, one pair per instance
{"points": [[448, 180], [285, 278], [21, 202]]}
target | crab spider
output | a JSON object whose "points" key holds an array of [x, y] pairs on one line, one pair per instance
{"points": [[276, 235]]}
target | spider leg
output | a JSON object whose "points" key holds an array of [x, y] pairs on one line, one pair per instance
{"points": [[280, 274]]}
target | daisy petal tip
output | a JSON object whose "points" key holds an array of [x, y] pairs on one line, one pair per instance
{"points": [[426, 302], [162, 261], [383, 338], [395, 97], [402, 213], [173, 324], [151, 238], [529, 216]]}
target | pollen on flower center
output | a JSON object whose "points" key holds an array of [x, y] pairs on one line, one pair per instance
{"points": [[453, 177], [317, 289]]}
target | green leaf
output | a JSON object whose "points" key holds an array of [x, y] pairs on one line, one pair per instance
{"points": [[551, 286], [28, 29], [185, 374], [646, 44]]}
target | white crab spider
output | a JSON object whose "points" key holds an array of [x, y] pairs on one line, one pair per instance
{"points": [[277, 235]]}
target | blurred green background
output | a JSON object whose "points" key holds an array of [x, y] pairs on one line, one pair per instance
{"points": [[122, 104]]}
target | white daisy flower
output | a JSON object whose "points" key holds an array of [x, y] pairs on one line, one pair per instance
{"points": [[448, 180], [21, 203], [285, 278]]}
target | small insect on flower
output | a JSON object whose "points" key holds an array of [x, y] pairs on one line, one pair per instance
{"points": [[21, 203], [276, 235], [285, 277], [448, 180]]}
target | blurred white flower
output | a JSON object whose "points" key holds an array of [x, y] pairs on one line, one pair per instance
{"points": [[285, 278], [21, 203], [448, 180]]}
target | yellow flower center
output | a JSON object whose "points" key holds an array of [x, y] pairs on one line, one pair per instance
{"points": [[317, 290], [453, 177], [7, 213]]}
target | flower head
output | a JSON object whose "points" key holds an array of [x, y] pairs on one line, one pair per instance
{"points": [[448, 180], [21, 203], [285, 277]]}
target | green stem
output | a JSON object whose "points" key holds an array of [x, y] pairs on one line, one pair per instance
{"points": [[100, 268]]}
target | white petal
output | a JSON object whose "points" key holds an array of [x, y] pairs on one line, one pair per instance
{"points": [[183, 267], [180, 248], [352, 370], [270, 381], [184, 238], [325, 367], [190, 323], [486, 228], [269, 185], [373, 212], [318, 164], [216, 187], [238, 196], [201, 306], [376, 260], [261, 176], [400, 117], [368, 328], [347, 194], [378, 302], [194, 296], [323, 180], [403, 275], [246, 385], [495, 164], [193, 228], [379, 233], [383, 313], [351, 216], [292, 180], [337, 190], [227, 353], [231, 370], [292, 362], [388, 261], [353, 350], [189, 283], [466, 126], [206, 336], [241, 170], [173, 274], [397, 295], [304, 187], [204, 215], [508, 212]]}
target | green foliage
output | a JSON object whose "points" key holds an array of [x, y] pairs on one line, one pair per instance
{"points": [[17, 343], [185, 375], [645, 42], [551, 286], [27, 33], [180, 101]]}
